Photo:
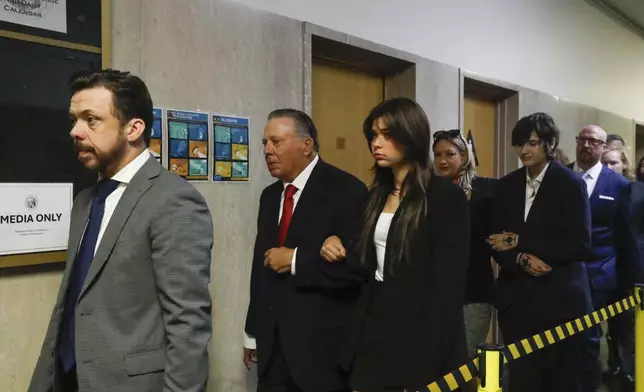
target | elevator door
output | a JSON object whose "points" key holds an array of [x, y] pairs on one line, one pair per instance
{"points": [[342, 98], [480, 120]]}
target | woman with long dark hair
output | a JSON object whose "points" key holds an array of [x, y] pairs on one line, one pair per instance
{"points": [[408, 329], [453, 159]]}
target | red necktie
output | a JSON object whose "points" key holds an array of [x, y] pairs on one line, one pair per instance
{"points": [[287, 212]]}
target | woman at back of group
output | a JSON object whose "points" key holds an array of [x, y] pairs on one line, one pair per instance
{"points": [[408, 329], [639, 170], [453, 159], [617, 161], [620, 336]]}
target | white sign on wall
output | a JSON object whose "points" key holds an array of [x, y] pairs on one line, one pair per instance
{"points": [[34, 217], [42, 14]]}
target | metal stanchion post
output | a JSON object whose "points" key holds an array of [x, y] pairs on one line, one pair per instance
{"points": [[490, 368], [639, 339]]}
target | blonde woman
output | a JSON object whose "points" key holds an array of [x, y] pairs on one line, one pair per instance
{"points": [[618, 161], [561, 157], [454, 159]]}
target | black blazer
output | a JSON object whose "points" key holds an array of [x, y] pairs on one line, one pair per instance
{"points": [[311, 308], [423, 332], [558, 232], [480, 277]]}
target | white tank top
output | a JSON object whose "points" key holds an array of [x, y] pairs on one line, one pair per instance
{"points": [[380, 240]]}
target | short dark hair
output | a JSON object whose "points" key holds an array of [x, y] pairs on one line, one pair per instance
{"points": [[612, 137], [545, 128], [304, 125], [130, 96]]}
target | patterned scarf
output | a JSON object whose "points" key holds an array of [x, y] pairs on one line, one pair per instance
{"points": [[464, 184]]}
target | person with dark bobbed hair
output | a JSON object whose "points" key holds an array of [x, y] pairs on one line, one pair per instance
{"points": [[541, 126], [542, 225]]}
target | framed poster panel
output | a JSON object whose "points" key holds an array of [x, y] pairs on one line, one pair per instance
{"points": [[231, 148]]}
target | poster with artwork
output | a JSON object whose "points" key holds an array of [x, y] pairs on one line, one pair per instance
{"points": [[188, 144], [231, 150], [156, 137]]}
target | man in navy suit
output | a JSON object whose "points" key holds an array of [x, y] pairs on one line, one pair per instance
{"points": [[612, 237]]}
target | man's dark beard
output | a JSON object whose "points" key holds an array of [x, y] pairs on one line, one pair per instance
{"points": [[588, 159], [105, 159]]}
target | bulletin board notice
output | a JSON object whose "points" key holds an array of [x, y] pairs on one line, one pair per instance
{"points": [[231, 141], [188, 153]]}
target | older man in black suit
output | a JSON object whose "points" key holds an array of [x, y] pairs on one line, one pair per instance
{"points": [[299, 304]]}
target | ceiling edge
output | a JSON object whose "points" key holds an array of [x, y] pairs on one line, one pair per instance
{"points": [[618, 16]]}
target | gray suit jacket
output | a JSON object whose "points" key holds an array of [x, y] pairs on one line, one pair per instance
{"points": [[143, 318]]}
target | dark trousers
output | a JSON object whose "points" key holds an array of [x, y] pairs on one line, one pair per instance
{"points": [[556, 368], [591, 367], [277, 376], [621, 340], [68, 381]]}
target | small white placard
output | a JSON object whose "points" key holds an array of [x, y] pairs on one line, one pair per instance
{"points": [[42, 14], [34, 217]]}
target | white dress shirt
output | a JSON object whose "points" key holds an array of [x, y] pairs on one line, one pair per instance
{"points": [[531, 189], [590, 176], [299, 182], [124, 176]]}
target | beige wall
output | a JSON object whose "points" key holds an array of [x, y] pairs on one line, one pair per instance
{"points": [[27, 298], [622, 126], [216, 56], [584, 56], [571, 117]]}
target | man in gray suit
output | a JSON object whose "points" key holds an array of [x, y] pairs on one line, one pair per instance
{"points": [[134, 311]]}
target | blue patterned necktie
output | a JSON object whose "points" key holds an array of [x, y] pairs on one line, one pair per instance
{"points": [[78, 274]]}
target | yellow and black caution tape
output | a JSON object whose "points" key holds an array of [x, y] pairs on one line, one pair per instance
{"points": [[514, 351], [455, 379], [537, 342]]}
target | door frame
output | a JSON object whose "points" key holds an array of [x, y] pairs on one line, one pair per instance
{"points": [[636, 124], [507, 114], [505, 161], [310, 30]]}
